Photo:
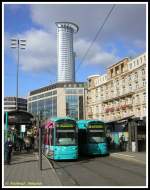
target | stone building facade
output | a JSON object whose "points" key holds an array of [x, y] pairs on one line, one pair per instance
{"points": [[119, 93]]}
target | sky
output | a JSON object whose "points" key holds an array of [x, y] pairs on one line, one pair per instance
{"points": [[123, 35]]}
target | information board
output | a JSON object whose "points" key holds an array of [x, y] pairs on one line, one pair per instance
{"points": [[23, 128]]}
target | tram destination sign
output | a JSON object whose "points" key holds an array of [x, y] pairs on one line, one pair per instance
{"points": [[96, 126], [65, 125]]}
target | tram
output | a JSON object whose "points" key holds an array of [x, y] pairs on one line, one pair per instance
{"points": [[60, 139], [92, 137]]}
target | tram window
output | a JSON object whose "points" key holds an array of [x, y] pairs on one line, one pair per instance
{"points": [[51, 137], [66, 138], [97, 137]]}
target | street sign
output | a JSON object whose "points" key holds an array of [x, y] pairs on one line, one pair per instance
{"points": [[23, 128]]}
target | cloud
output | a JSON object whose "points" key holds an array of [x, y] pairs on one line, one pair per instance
{"points": [[140, 44], [96, 55], [7, 41], [127, 21], [40, 52]]}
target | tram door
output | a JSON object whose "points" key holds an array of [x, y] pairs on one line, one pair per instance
{"points": [[82, 141]]}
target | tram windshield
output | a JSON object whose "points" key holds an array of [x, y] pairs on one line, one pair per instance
{"points": [[96, 133], [65, 133]]}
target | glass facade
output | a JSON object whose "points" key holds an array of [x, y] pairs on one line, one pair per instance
{"points": [[74, 106], [47, 106]]}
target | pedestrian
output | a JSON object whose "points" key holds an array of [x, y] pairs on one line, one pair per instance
{"points": [[27, 141], [8, 149], [109, 139], [122, 142]]}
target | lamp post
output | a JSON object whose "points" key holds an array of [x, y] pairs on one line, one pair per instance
{"points": [[19, 44]]}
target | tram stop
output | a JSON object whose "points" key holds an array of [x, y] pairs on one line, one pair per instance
{"points": [[18, 125]]}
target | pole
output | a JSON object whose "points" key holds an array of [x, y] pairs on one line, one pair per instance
{"points": [[40, 143], [17, 76]]}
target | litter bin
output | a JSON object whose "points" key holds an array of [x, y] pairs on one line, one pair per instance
{"points": [[133, 146]]}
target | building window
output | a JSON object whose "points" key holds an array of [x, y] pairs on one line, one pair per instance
{"points": [[136, 75], [143, 71], [144, 109], [130, 65], [137, 85], [130, 86], [129, 77], [97, 109], [144, 82], [144, 96], [74, 106]]}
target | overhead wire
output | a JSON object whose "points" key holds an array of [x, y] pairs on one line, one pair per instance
{"points": [[97, 34]]}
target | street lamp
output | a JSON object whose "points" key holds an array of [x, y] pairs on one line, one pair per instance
{"points": [[19, 44]]}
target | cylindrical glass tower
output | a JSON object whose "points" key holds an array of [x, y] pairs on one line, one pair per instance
{"points": [[65, 53]]}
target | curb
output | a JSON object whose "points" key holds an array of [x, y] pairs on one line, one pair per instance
{"points": [[59, 182]]}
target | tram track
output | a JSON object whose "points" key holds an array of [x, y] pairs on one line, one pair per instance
{"points": [[102, 176], [82, 163]]}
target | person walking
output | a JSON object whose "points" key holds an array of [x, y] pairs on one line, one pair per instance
{"points": [[27, 141], [122, 142], [109, 139], [8, 149]]}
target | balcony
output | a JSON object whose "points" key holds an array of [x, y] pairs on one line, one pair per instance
{"points": [[115, 97], [109, 110], [90, 113]]}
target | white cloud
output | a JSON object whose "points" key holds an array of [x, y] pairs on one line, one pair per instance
{"points": [[140, 44], [96, 54], [40, 52], [127, 21]]}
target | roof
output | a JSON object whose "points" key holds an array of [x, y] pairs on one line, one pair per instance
{"points": [[82, 124], [69, 24], [15, 112], [57, 85], [91, 76]]}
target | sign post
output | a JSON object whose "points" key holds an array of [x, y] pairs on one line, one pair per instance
{"points": [[5, 133], [6, 126], [23, 130]]}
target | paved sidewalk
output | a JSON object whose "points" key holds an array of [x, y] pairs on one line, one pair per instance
{"points": [[24, 171], [139, 157]]}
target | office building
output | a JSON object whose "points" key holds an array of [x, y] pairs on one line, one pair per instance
{"points": [[58, 100], [10, 104], [65, 52]]}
